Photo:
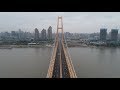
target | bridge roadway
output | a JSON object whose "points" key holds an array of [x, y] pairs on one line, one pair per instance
{"points": [[60, 69], [56, 69], [65, 71]]}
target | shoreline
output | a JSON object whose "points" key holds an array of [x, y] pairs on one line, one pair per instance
{"points": [[93, 46], [44, 46], [22, 46]]}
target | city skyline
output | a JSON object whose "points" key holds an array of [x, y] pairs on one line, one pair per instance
{"points": [[75, 22]]}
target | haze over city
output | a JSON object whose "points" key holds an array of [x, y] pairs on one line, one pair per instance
{"points": [[88, 48], [75, 22]]}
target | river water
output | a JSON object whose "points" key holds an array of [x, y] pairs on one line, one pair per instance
{"points": [[34, 62]]}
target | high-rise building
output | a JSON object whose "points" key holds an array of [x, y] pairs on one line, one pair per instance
{"points": [[50, 33], [103, 34], [21, 35], [43, 34], [114, 34], [36, 34], [119, 37]]}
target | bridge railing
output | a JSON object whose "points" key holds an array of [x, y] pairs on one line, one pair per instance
{"points": [[52, 61], [69, 60], [71, 63]]}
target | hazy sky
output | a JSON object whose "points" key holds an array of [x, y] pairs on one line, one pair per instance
{"points": [[80, 22]]}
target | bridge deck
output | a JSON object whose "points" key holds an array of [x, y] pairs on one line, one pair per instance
{"points": [[60, 65]]}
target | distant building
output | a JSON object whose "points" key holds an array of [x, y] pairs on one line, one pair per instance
{"points": [[68, 35], [43, 34], [6, 34], [103, 34], [50, 33], [31, 43], [119, 37], [13, 33], [36, 34], [94, 36], [21, 35], [108, 36], [53, 35], [114, 34]]}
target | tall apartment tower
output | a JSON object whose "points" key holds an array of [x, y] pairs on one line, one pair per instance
{"points": [[103, 34], [36, 34], [114, 34], [50, 33], [43, 34]]}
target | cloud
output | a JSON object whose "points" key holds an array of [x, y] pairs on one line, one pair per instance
{"points": [[73, 21]]}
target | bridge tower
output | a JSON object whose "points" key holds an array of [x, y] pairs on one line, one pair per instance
{"points": [[61, 64]]}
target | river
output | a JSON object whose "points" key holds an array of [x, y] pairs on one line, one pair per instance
{"points": [[34, 62]]}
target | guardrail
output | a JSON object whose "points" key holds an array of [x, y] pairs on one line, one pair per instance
{"points": [[69, 61], [52, 61]]}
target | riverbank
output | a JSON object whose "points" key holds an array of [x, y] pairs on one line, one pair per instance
{"points": [[23, 46], [41, 46], [92, 46]]}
